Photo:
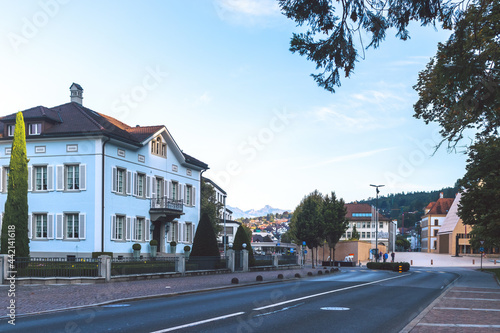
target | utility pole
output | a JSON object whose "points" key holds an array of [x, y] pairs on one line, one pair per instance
{"points": [[376, 217]]}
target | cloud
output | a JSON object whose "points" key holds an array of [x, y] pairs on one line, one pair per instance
{"points": [[246, 12], [344, 158]]}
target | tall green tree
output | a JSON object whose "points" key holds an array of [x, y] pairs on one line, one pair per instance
{"points": [[335, 221], [205, 241], [241, 238], [355, 233], [479, 202], [16, 206], [210, 205], [307, 221]]}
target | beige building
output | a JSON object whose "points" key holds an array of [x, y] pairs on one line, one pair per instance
{"points": [[451, 228], [435, 214]]}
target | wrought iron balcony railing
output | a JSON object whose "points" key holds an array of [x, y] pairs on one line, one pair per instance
{"points": [[165, 203]]}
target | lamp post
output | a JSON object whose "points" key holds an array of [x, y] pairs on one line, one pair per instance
{"points": [[376, 218]]}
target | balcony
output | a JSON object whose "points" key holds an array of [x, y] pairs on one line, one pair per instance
{"points": [[166, 208]]}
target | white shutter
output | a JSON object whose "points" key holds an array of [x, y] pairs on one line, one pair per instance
{"points": [[134, 184], [129, 182], [59, 177], [165, 189], [154, 189], [59, 226], [30, 178], [146, 230], [83, 177], [113, 227], [30, 226], [185, 195], [81, 226], [127, 229], [148, 187], [180, 193], [113, 180], [50, 178], [193, 196], [50, 226], [132, 227]]}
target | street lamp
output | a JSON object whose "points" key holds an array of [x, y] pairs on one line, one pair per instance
{"points": [[376, 218]]}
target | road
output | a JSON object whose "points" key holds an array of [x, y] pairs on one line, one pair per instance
{"points": [[350, 301]]}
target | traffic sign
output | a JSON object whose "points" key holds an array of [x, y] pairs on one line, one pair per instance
{"points": [[305, 251], [481, 249]]}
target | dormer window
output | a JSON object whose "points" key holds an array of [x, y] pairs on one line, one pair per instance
{"points": [[35, 129], [158, 147], [10, 130]]}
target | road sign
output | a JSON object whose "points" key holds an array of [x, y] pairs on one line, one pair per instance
{"points": [[305, 251], [481, 249]]}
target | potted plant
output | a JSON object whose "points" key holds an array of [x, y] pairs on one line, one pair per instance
{"points": [[153, 245], [187, 250], [137, 250], [173, 247]]}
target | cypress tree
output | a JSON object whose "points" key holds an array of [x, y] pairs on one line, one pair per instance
{"points": [[205, 241], [241, 238], [16, 207]]}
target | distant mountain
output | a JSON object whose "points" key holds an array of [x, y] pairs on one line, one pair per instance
{"points": [[237, 213]]}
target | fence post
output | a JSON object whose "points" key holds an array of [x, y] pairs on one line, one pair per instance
{"points": [[230, 260], [105, 269], [275, 261], [245, 260], [3, 267], [180, 264]]}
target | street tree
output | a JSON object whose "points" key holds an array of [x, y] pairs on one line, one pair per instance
{"points": [[15, 219], [210, 205], [479, 202], [335, 221], [355, 233], [307, 221]]}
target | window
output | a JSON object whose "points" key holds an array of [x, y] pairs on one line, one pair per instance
{"points": [[435, 233], [35, 129], [188, 232], [363, 235], [348, 234], [119, 226], [5, 179], [229, 230], [173, 233], [40, 178], [120, 181], [189, 195], [72, 226], [139, 229], [158, 147], [175, 190], [435, 245], [41, 226], [380, 225], [141, 182], [436, 222], [358, 225], [364, 224], [10, 130], [159, 188], [72, 177], [361, 214], [373, 225]]}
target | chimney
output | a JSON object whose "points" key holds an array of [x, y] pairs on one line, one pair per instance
{"points": [[76, 93]]}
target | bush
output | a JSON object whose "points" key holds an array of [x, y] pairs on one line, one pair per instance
{"points": [[389, 266], [173, 243], [136, 247], [187, 248], [153, 242], [205, 241], [97, 254]]}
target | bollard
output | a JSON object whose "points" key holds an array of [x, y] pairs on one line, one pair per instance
{"points": [[432, 263], [400, 269], [473, 262], [411, 262], [495, 262]]}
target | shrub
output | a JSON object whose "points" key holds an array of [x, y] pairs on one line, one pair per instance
{"points": [[136, 247], [97, 254], [187, 248], [389, 266], [173, 243], [153, 242], [241, 238], [205, 241]]}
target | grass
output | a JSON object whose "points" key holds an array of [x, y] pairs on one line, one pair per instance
{"points": [[495, 271]]}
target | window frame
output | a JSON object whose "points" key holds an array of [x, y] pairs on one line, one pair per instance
{"points": [[44, 223], [139, 228], [43, 179], [75, 226], [141, 187], [75, 178], [37, 126], [10, 130], [120, 221]]}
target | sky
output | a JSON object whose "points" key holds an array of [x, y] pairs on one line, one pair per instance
{"points": [[219, 75]]}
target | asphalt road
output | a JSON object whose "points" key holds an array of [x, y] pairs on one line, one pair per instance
{"points": [[350, 301]]}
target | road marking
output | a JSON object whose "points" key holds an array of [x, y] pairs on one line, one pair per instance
{"points": [[280, 310], [474, 299], [334, 308], [475, 291], [458, 325], [114, 305], [468, 309], [328, 292], [196, 323]]}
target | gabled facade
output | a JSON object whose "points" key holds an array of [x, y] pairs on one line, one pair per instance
{"points": [[435, 214], [99, 185]]}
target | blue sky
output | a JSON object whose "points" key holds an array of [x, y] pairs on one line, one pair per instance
{"points": [[220, 76]]}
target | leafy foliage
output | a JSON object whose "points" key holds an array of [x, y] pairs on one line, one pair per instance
{"points": [[16, 206], [241, 238], [459, 89], [355, 233], [334, 26], [210, 205], [205, 242], [479, 203]]}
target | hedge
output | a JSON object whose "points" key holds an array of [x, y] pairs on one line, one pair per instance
{"points": [[389, 266]]}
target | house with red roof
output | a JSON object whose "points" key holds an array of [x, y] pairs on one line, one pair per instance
{"points": [[435, 214]]}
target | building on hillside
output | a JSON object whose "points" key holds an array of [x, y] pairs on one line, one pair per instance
{"points": [[364, 218], [97, 184], [435, 214]]}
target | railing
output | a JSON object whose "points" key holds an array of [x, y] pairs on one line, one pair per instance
{"points": [[166, 203], [57, 267], [266, 260], [206, 263], [130, 266], [287, 260]]}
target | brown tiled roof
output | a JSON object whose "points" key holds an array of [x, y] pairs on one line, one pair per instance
{"points": [[361, 208], [440, 207], [143, 132]]}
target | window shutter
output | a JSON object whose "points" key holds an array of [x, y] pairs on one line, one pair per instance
{"points": [[113, 227], [193, 196], [50, 178], [59, 177], [59, 226], [154, 186], [148, 187], [134, 184], [113, 179], [127, 229], [30, 226], [180, 192], [129, 182], [81, 226], [133, 230], [146, 230], [50, 226], [165, 188], [185, 195], [30, 178], [170, 190], [83, 177]]}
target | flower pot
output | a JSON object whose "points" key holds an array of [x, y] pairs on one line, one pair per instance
{"points": [[173, 249], [137, 254], [187, 253], [153, 250]]}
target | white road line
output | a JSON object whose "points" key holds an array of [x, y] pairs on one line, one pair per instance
{"points": [[458, 325], [196, 323], [327, 292], [468, 309], [475, 291], [474, 299]]}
